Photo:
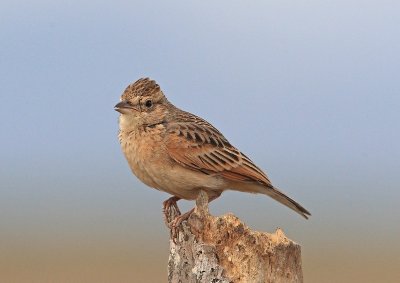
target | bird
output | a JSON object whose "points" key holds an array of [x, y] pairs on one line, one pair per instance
{"points": [[179, 153]]}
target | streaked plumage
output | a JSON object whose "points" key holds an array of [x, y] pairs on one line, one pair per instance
{"points": [[179, 153]]}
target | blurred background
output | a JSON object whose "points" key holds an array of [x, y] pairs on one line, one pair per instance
{"points": [[316, 83]]}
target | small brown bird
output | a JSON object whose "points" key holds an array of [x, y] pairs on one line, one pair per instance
{"points": [[179, 153]]}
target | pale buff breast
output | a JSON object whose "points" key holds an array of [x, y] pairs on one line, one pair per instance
{"points": [[137, 154]]}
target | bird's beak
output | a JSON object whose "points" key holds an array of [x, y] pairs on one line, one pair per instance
{"points": [[124, 107]]}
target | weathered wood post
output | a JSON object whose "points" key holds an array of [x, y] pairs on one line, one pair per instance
{"points": [[222, 249]]}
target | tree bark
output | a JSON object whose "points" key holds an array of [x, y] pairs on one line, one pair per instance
{"points": [[222, 249]]}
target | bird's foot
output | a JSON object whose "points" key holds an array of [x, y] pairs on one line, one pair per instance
{"points": [[169, 215], [178, 221]]}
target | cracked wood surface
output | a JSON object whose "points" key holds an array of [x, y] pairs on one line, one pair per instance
{"points": [[223, 250]]}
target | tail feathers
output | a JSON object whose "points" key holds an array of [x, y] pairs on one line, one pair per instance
{"points": [[284, 199]]}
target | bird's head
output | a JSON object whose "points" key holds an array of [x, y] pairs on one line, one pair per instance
{"points": [[142, 102]]}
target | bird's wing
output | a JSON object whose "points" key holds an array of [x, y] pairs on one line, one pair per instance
{"points": [[196, 144]]}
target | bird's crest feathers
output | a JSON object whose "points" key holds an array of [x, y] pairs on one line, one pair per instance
{"points": [[144, 87]]}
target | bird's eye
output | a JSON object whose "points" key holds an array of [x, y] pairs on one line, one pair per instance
{"points": [[148, 103]]}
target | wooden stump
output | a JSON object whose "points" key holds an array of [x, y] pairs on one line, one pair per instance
{"points": [[222, 249]]}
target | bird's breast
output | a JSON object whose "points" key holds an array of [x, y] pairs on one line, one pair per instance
{"points": [[149, 160], [141, 150]]}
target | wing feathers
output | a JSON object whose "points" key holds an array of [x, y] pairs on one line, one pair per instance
{"points": [[197, 145], [200, 146]]}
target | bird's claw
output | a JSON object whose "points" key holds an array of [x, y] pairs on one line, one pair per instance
{"points": [[169, 214], [174, 224], [173, 217]]}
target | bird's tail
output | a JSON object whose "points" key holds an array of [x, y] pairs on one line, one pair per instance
{"points": [[284, 199], [273, 193]]}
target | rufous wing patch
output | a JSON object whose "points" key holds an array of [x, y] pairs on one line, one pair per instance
{"points": [[199, 147]]}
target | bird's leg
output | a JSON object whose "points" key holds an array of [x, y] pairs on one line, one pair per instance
{"points": [[171, 202], [179, 219]]}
